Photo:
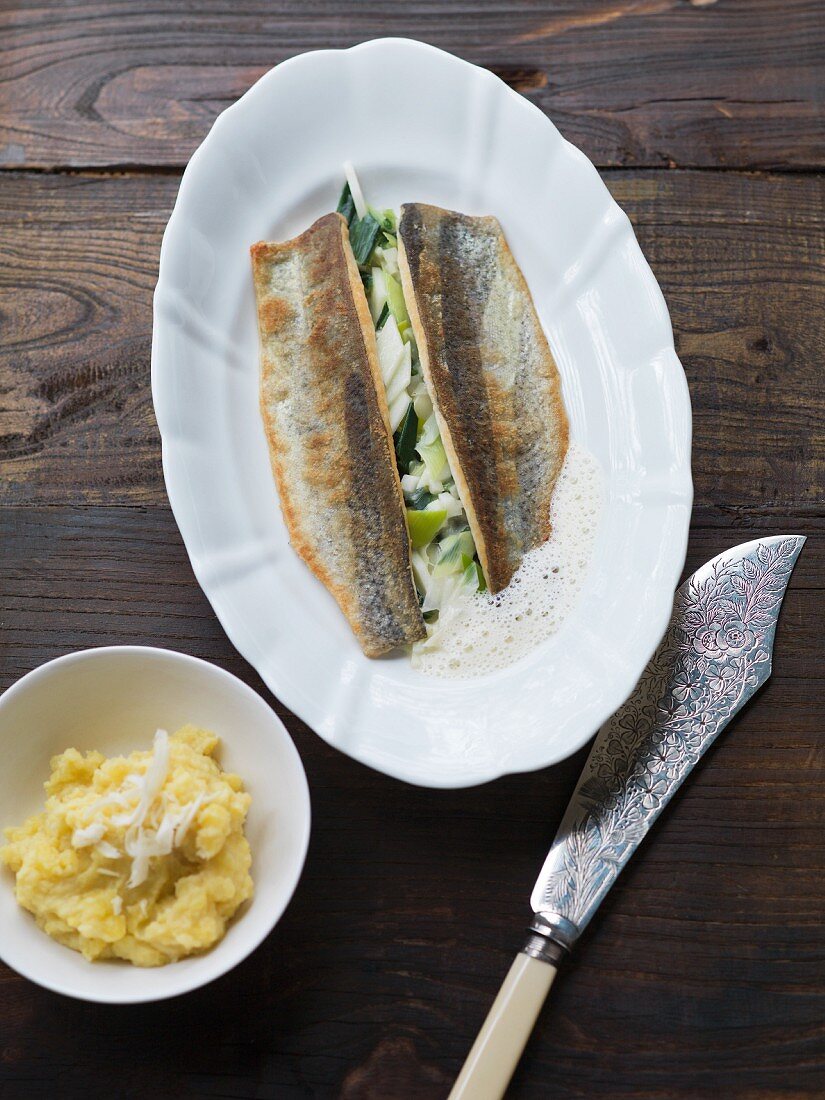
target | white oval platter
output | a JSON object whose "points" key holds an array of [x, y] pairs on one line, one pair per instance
{"points": [[419, 124]]}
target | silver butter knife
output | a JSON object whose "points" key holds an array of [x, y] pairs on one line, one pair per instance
{"points": [[715, 654]]}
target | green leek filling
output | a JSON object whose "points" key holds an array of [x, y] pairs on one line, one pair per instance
{"points": [[444, 558]]}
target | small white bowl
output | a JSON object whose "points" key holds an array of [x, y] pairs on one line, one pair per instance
{"points": [[113, 699]]}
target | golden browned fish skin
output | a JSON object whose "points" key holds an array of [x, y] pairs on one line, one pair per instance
{"points": [[327, 427], [491, 376]]}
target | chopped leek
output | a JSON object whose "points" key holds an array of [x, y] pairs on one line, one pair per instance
{"points": [[473, 577], [395, 300], [429, 431], [355, 190], [346, 206], [423, 406], [395, 360], [451, 505], [435, 460], [445, 594], [455, 553], [382, 316], [405, 439], [421, 570], [420, 498], [423, 525], [390, 350], [362, 236], [397, 385], [397, 410], [387, 221], [377, 296], [388, 258]]}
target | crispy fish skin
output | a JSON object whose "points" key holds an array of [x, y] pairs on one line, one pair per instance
{"points": [[491, 375], [327, 426]]}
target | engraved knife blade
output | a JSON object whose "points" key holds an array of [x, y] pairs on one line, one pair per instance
{"points": [[715, 654]]}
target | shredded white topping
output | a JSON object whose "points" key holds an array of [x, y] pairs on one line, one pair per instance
{"points": [[85, 838], [108, 851], [141, 842]]}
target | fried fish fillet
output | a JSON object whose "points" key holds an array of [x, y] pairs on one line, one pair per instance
{"points": [[327, 425], [491, 376]]}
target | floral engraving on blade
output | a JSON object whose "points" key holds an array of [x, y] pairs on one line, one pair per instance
{"points": [[715, 654]]}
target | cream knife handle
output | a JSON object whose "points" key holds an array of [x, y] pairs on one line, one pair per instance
{"points": [[504, 1034]]}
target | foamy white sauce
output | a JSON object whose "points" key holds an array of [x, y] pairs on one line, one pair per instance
{"points": [[490, 632]]}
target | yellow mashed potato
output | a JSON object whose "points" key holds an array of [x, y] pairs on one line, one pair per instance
{"points": [[139, 857]]}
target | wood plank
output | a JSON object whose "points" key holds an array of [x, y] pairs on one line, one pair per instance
{"points": [[702, 975], [740, 258], [633, 82], [79, 258], [741, 262]]}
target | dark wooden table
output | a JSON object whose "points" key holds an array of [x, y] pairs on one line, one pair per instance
{"points": [[704, 973]]}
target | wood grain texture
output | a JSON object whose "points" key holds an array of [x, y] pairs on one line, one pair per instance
{"points": [[702, 975], [740, 258], [633, 82], [78, 264]]}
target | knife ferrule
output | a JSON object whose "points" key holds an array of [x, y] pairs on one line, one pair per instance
{"points": [[550, 937]]}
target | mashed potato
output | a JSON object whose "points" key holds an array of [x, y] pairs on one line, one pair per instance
{"points": [[139, 857]]}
